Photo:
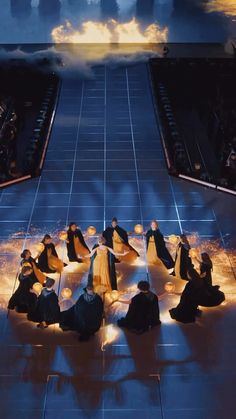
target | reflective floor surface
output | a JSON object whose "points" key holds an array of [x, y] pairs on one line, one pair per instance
{"points": [[105, 159]]}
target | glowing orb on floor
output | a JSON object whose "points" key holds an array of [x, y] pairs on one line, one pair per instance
{"points": [[63, 235], [28, 264], [169, 287], [173, 239], [66, 293], [39, 247], [37, 287], [138, 229], [193, 253], [91, 230]]}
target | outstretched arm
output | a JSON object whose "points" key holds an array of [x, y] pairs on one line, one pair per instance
{"points": [[116, 254], [91, 253], [123, 301]]}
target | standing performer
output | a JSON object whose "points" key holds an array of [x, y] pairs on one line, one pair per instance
{"points": [[76, 246], [102, 268], [183, 262], [117, 239], [48, 260], [27, 260], [156, 247]]}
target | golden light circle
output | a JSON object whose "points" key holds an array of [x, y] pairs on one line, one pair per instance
{"points": [[169, 287], [66, 293], [91, 230], [63, 235], [173, 239], [37, 287], [138, 229], [39, 247]]}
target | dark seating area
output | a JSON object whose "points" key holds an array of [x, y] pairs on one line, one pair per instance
{"points": [[195, 103], [28, 98]]}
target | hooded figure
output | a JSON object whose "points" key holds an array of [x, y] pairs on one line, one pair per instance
{"points": [[196, 292], [156, 247], [143, 311], [48, 260], [76, 246], [85, 316], [117, 239], [47, 310], [23, 300], [28, 260]]}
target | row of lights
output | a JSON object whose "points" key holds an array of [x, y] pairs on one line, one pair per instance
{"points": [[91, 231], [66, 293]]}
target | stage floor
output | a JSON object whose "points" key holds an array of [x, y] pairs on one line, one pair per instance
{"points": [[105, 159]]}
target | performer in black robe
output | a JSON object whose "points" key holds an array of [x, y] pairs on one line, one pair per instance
{"points": [[48, 260], [183, 262], [23, 300], [47, 310], [76, 246], [28, 260], [196, 292], [85, 316], [102, 273], [117, 239], [143, 311], [156, 247], [206, 268]]}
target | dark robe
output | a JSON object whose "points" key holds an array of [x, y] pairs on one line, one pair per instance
{"points": [[162, 252], [196, 292], [43, 258], [72, 256], [210, 296], [205, 268], [108, 236], [187, 309], [112, 269], [47, 308], [22, 299], [185, 260], [85, 316], [143, 313]]}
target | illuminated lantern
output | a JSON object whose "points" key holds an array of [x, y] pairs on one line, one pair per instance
{"points": [[27, 264], [63, 235], [37, 287], [169, 287], [173, 239], [138, 229], [40, 247], [91, 230], [115, 295], [66, 293]]}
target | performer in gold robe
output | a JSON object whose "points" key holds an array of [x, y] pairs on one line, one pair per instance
{"points": [[48, 260], [102, 268], [77, 249], [117, 239]]}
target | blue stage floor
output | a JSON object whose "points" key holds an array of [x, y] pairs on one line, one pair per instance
{"points": [[105, 159]]}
